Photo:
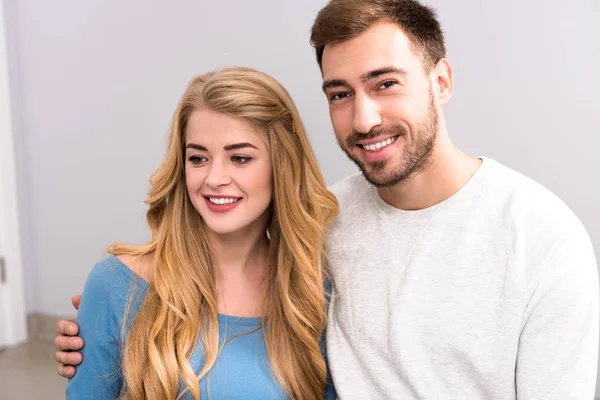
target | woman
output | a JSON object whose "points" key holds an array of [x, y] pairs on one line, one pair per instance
{"points": [[228, 299]]}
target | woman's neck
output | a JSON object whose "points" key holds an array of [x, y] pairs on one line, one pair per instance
{"points": [[241, 263], [239, 252]]}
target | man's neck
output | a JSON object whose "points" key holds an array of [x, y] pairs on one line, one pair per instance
{"points": [[448, 169]]}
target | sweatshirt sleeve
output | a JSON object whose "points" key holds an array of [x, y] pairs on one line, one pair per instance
{"points": [[558, 347]]}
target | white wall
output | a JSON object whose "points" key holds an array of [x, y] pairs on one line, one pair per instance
{"points": [[97, 82], [12, 299], [28, 256]]}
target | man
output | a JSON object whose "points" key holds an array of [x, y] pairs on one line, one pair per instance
{"points": [[455, 277]]}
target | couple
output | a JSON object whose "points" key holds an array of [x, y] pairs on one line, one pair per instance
{"points": [[452, 276]]}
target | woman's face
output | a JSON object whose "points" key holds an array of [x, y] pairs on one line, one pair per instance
{"points": [[228, 172]]}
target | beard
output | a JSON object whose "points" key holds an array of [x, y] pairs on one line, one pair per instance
{"points": [[415, 155]]}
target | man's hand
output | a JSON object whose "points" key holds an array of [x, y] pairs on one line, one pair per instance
{"points": [[67, 343]]}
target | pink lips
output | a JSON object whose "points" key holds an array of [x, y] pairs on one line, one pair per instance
{"points": [[221, 208]]}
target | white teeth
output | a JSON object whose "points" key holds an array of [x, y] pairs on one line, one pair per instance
{"points": [[220, 200], [379, 145]]}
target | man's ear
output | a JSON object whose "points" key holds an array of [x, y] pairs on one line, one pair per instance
{"points": [[443, 81]]}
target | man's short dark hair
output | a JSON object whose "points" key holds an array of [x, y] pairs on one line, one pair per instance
{"points": [[342, 20]]}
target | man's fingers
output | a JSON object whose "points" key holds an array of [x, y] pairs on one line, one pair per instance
{"points": [[67, 327], [66, 371], [62, 343], [67, 358], [76, 300]]}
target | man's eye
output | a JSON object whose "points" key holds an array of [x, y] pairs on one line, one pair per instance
{"points": [[338, 96], [387, 84]]}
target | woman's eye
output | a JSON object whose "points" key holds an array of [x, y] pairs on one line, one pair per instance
{"points": [[196, 159], [241, 159]]}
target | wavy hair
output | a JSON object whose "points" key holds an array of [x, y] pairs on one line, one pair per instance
{"points": [[180, 305]]}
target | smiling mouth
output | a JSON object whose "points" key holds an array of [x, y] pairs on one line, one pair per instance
{"points": [[379, 145], [223, 200]]}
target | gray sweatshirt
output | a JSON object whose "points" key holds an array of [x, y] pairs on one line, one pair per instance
{"points": [[491, 294]]}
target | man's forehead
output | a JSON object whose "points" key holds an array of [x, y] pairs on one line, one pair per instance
{"points": [[383, 44]]}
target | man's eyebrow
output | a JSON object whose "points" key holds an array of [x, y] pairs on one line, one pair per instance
{"points": [[333, 83], [382, 71]]}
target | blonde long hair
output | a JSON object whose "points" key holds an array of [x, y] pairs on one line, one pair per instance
{"points": [[180, 305]]}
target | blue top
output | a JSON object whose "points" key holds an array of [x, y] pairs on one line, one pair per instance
{"points": [[241, 371]]}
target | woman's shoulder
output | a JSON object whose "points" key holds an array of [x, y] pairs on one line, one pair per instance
{"points": [[112, 288], [114, 277], [140, 266]]}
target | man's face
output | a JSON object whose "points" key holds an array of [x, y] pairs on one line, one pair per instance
{"points": [[381, 102]]}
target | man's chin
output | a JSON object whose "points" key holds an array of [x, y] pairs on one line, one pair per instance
{"points": [[375, 172], [378, 178]]}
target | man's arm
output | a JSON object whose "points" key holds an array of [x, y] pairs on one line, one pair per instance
{"points": [[67, 343], [558, 346]]}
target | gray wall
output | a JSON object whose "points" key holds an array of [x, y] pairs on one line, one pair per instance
{"points": [[96, 82]]}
